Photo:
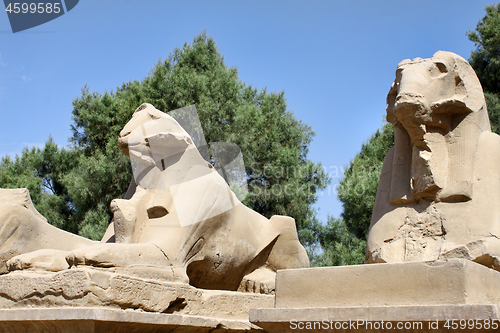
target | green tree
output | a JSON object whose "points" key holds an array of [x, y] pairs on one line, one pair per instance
{"points": [[340, 247], [274, 143], [103, 171], [21, 172], [358, 187], [493, 105], [343, 240], [41, 171], [486, 60]]}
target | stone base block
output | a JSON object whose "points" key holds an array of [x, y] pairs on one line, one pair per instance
{"points": [[424, 318], [89, 288], [99, 300], [430, 293], [98, 320]]}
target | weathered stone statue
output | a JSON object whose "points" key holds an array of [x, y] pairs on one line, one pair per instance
{"points": [[437, 199], [179, 221], [440, 184]]}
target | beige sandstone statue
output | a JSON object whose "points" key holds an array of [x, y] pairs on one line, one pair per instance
{"points": [[181, 222], [439, 189]]}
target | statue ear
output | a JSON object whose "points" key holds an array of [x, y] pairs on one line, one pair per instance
{"points": [[467, 86], [460, 90], [468, 95], [141, 107], [469, 91]]}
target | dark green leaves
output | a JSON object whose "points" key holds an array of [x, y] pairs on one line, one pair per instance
{"points": [[486, 58]]}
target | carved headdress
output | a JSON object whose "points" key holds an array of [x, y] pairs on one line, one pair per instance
{"points": [[438, 110]]}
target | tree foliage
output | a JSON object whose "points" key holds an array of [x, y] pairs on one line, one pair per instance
{"points": [[358, 187], [274, 143], [340, 247], [41, 171], [486, 61], [486, 58], [343, 240]]}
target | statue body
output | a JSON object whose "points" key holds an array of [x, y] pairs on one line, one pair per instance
{"points": [[179, 221], [440, 183]]}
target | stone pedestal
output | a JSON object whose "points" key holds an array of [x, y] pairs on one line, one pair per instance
{"points": [[99, 320], [424, 296], [86, 300]]}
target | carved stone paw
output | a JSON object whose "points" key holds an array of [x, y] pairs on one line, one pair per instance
{"points": [[118, 255], [41, 260], [99, 255], [261, 281], [484, 251]]}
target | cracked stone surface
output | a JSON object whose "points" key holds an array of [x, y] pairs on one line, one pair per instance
{"points": [[90, 287]]}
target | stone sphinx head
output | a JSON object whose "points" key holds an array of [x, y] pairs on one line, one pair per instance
{"points": [[438, 110], [152, 136], [165, 158]]}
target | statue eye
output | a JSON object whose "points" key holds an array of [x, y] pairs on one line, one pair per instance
{"points": [[399, 75], [442, 67], [156, 212]]}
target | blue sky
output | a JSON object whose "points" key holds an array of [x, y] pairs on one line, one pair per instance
{"points": [[335, 60]]}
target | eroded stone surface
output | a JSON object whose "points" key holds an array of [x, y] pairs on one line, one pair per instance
{"points": [[90, 287], [440, 181]]}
